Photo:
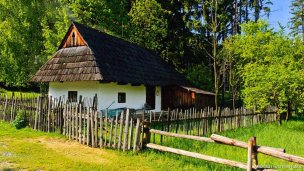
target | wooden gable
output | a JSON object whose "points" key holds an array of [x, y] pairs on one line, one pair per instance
{"points": [[73, 39]]}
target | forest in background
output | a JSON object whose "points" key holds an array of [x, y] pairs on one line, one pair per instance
{"points": [[220, 45]]}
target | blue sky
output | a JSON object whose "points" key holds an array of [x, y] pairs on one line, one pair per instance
{"points": [[280, 13]]}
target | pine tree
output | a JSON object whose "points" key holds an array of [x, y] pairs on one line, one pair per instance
{"points": [[297, 20]]}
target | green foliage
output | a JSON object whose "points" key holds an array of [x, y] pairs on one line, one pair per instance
{"points": [[269, 64], [20, 120], [108, 16], [149, 26], [54, 26], [297, 19], [201, 76], [28, 31]]}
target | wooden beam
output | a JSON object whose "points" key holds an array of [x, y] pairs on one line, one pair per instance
{"points": [[233, 142], [275, 152], [198, 156], [191, 137]]}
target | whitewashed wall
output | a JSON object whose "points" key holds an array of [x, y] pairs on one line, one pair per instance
{"points": [[106, 92]]}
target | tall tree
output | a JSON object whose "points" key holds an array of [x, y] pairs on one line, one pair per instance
{"points": [[297, 20], [108, 16], [149, 26], [269, 64]]}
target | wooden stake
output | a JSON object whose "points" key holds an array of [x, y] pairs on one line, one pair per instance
{"points": [[115, 132], [249, 155], [101, 131], [120, 130], [254, 152], [135, 145], [126, 131]]}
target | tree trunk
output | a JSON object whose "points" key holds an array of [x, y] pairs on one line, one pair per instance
{"points": [[235, 22], [279, 117], [288, 113]]}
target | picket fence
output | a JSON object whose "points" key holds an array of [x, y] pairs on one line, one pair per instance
{"points": [[207, 121], [81, 121], [78, 121]]}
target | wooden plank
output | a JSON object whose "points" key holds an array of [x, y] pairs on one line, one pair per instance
{"points": [[88, 125], [101, 131], [275, 152], [115, 132], [126, 131], [76, 122], [36, 114], [106, 129], [120, 130], [111, 131], [242, 144], [96, 127], [5, 107], [49, 99], [12, 107], [198, 156], [72, 121], [80, 124], [130, 134], [135, 144], [191, 137], [92, 127], [64, 118], [249, 155]]}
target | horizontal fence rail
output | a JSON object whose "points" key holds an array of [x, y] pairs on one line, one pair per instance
{"points": [[252, 149]]}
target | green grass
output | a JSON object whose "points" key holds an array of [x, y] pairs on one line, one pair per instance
{"points": [[32, 150], [2, 90], [18, 94]]}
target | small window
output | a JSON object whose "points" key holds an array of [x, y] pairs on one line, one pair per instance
{"points": [[72, 96], [121, 97], [74, 39]]}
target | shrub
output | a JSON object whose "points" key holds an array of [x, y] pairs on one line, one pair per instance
{"points": [[20, 120]]}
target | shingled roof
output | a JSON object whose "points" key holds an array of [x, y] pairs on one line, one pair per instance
{"points": [[107, 58]]}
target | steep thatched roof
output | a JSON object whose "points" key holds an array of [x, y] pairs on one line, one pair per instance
{"points": [[107, 59]]}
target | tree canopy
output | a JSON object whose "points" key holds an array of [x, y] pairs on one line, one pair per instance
{"points": [[221, 46], [270, 66]]}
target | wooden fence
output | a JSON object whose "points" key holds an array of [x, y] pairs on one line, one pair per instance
{"points": [[82, 122], [203, 122], [79, 121], [252, 149]]}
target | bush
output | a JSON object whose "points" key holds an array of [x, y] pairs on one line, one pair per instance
{"points": [[20, 120]]}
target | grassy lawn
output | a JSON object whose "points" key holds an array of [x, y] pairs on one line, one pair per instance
{"points": [[27, 149]]}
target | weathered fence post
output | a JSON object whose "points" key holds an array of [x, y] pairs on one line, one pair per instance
{"points": [[126, 131], [36, 114], [254, 152], [49, 113], [12, 107], [115, 132], [135, 145], [146, 134], [101, 130], [5, 107], [120, 130], [249, 156]]}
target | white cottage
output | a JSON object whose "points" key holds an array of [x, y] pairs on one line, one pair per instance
{"points": [[90, 62]]}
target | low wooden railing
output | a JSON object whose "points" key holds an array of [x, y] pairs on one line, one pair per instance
{"points": [[252, 149]]}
